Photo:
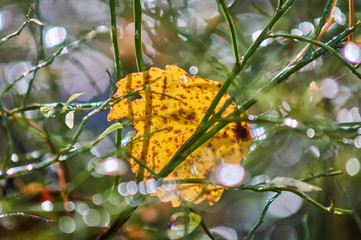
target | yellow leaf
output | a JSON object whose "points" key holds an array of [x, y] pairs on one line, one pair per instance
{"points": [[171, 107]]}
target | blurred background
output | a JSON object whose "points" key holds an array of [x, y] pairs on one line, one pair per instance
{"points": [[302, 139]]}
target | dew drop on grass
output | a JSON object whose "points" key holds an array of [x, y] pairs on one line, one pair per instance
{"points": [[193, 70]]}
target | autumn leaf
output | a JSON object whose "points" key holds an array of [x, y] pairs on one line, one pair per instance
{"points": [[169, 110]]}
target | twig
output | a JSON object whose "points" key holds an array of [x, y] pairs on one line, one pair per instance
{"points": [[263, 215]]}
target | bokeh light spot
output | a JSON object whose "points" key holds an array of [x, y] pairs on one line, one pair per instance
{"points": [[285, 205], [230, 174], [47, 206], [55, 36], [69, 206], [310, 132], [352, 53], [67, 224], [357, 141], [352, 166]]}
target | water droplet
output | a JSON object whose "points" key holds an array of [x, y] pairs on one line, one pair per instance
{"points": [[183, 79], [258, 133], [69, 206], [310, 133], [55, 36], [30, 167], [14, 157], [352, 53], [67, 224], [352, 166], [230, 174], [176, 224], [193, 70], [194, 170], [292, 123], [132, 187], [251, 117], [47, 206], [10, 171]]}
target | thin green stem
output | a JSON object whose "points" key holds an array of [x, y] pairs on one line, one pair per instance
{"points": [[322, 45], [263, 215], [114, 37], [327, 173], [138, 36], [306, 227], [323, 19], [273, 188], [17, 32], [42, 64], [9, 144], [204, 226], [348, 200], [228, 17], [123, 217]]}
